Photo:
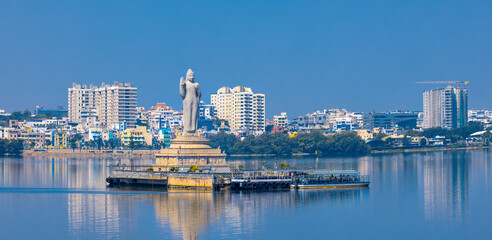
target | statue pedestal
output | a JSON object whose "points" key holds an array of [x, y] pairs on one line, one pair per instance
{"points": [[187, 151]]}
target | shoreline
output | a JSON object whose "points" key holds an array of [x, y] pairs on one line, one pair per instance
{"points": [[150, 154], [134, 154], [426, 149]]}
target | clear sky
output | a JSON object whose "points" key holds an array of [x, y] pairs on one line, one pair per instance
{"points": [[304, 55]]}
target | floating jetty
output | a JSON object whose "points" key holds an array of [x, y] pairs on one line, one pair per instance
{"points": [[236, 180], [328, 179]]}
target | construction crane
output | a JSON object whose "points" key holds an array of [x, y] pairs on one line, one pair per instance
{"points": [[447, 82]]}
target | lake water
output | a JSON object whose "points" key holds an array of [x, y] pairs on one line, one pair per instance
{"points": [[436, 195]]}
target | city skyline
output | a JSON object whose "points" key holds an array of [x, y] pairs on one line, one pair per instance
{"points": [[270, 115], [359, 56]]}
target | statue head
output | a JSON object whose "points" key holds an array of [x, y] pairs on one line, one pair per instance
{"points": [[190, 75]]}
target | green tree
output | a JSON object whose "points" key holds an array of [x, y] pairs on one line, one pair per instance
{"points": [[380, 136], [414, 133], [223, 140], [310, 142], [48, 142], [436, 131], [15, 116], [284, 165], [345, 143], [463, 132], [98, 142], [3, 146], [74, 140], [244, 146], [14, 147], [26, 114], [111, 143], [40, 116], [174, 169], [132, 144], [194, 169], [267, 143]]}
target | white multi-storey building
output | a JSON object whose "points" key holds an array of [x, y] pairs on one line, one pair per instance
{"points": [[445, 107], [243, 109], [160, 116], [483, 116], [280, 120], [107, 105], [207, 111]]}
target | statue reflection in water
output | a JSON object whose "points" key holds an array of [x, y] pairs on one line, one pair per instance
{"points": [[190, 213]]}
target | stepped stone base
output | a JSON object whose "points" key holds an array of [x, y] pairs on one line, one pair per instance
{"points": [[189, 151]]}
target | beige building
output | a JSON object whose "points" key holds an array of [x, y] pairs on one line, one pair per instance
{"points": [[280, 120], [107, 105], [140, 136], [81, 103], [364, 134], [243, 109]]}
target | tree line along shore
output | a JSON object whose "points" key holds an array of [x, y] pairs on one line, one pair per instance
{"points": [[315, 142]]}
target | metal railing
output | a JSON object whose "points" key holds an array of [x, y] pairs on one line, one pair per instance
{"points": [[340, 179]]}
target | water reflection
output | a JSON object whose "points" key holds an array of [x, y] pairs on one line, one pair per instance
{"points": [[446, 185], [190, 213], [435, 187], [94, 213]]}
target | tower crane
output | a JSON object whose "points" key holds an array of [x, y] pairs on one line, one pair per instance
{"points": [[447, 82]]}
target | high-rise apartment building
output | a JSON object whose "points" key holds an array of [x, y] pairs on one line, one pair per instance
{"points": [[81, 103], [117, 103], [445, 107], [243, 109], [107, 105]]}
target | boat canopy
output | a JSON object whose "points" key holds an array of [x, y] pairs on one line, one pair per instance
{"points": [[332, 172]]}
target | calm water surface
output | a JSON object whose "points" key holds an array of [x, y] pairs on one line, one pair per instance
{"points": [[438, 195]]}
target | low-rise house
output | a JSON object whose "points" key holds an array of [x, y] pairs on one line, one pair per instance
{"points": [[364, 134], [95, 133], [437, 141], [33, 139], [139, 136], [4, 132], [59, 139], [419, 140]]}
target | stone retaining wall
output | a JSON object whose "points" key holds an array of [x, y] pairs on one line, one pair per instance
{"points": [[143, 154]]}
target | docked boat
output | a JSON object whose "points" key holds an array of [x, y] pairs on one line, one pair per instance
{"points": [[328, 179], [249, 180]]}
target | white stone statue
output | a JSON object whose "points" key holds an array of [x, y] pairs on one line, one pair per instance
{"points": [[190, 93]]}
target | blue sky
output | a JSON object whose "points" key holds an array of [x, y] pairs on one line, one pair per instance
{"points": [[304, 55]]}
